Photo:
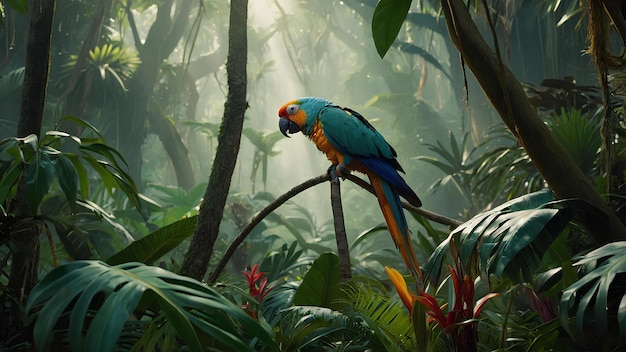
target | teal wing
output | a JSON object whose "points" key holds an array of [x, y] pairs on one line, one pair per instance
{"points": [[357, 139], [352, 134]]}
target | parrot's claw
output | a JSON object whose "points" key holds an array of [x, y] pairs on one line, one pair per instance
{"points": [[332, 173], [336, 171]]}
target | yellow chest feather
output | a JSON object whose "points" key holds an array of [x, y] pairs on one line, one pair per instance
{"points": [[322, 143]]}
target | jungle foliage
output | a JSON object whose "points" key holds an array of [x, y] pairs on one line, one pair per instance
{"points": [[108, 183]]}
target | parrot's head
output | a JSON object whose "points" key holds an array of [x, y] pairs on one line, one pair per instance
{"points": [[300, 115]]}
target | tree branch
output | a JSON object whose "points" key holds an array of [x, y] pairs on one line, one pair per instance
{"points": [[258, 217], [438, 218], [133, 27], [345, 269]]}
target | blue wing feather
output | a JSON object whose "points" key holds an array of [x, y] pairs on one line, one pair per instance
{"points": [[391, 176]]}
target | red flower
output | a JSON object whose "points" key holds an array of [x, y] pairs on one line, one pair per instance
{"points": [[257, 291], [257, 284], [459, 322]]}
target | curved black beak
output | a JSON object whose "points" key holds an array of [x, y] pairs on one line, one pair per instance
{"points": [[287, 126]]}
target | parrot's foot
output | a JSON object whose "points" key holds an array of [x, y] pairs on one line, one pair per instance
{"points": [[336, 171], [332, 173]]}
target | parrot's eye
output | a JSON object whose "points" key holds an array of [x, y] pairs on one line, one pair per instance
{"points": [[292, 109]]}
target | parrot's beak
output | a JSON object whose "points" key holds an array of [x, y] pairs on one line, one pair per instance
{"points": [[287, 126]]}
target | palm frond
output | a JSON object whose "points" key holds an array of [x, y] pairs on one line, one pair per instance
{"points": [[598, 300], [511, 238], [310, 328], [94, 301], [387, 317]]}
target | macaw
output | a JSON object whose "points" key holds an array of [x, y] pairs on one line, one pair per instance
{"points": [[351, 143]]}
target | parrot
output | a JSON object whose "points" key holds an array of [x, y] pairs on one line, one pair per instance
{"points": [[351, 143]]}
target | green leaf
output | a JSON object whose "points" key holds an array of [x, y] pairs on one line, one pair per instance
{"points": [[39, 176], [597, 299], [20, 6], [387, 21], [153, 246], [386, 316], [321, 284], [68, 178], [9, 180], [82, 123], [416, 50], [81, 172], [100, 299], [511, 239], [364, 235]]}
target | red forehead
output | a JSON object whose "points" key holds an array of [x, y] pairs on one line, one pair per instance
{"points": [[283, 109]]}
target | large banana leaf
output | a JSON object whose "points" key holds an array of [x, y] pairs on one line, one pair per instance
{"points": [[510, 239], [95, 301], [598, 300]]}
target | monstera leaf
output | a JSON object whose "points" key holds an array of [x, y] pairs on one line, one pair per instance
{"points": [[89, 303], [598, 300], [510, 239]]}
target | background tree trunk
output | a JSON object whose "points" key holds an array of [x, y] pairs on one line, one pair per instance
{"points": [[507, 96], [163, 36], [175, 149], [197, 258], [25, 233], [25, 259]]}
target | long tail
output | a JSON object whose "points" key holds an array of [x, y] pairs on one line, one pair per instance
{"points": [[389, 201]]}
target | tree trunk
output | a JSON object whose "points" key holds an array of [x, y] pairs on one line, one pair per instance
{"points": [[163, 36], [175, 149], [25, 259], [197, 258], [24, 235], [507, 96]]}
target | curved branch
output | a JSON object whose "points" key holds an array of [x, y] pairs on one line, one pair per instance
{"points": [[438, 218], [258, 217]]}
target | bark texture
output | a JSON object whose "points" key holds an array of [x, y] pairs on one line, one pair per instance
{"points": [[197, 258], [343, 251], [24, 234]]}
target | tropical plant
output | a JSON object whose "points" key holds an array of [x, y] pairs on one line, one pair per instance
{"points": [[264, 143], [108, 59], [458, 327], [580, 134], [483, 175], [510, 239], [257, 286], [512, 242], [316, 319], [86, 305], [55, 170], [593, 309]]}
